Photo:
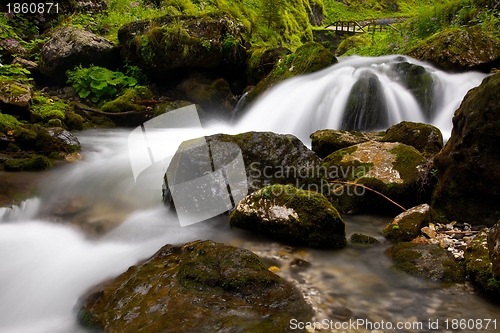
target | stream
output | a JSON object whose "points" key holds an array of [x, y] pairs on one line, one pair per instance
{"points": [[49, 259]]}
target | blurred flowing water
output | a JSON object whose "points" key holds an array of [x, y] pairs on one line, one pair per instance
{"points": [[48, 262]]}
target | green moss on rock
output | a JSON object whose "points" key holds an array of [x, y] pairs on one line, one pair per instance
{"points": [[34, 163], [127, 101], [8, 123], [407, 225], [361, 239], [427, 139], [200, 286], [294, 216]]}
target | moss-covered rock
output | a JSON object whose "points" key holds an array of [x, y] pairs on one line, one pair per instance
{"points": [[8, 123], [407, 225], [25, 138], [127, 101], [426, 138], [366, 107], [420, 84], [172, 105], [294, 216], [33, 163], [479, 267], [325, 142], [172, 42], [361, 239], [56, 139], [69, 47], [212, 93], [428, 261], [200, 286], [262, 61], [15, 98], [392, 169], [46, 108], [468, 170], [457, 49], [308, 58]]}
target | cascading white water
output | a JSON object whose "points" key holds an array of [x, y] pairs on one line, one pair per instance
{"points": [[46, 265], [305, 104]]}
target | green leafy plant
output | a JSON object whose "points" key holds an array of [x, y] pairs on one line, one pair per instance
{"points": [[98, 84], [135, 72], [14, 72]]}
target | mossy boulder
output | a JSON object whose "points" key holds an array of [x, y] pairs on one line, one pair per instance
{"points": [[325, 142], [200, 286], [268, 158], [457, 49], [407, 225], [366, 107], [419, 83], [69, 47], [308, 58], [494, 249], [46, 108], [468, 169], [25, 138], [56, 139], [428, 261], [294, 216], [392, 169], [32, 163], [175, 42], [128, 100], [8, 123], [262, 61], [479, 267], [15, 98], [426, 138], [211, 92]]}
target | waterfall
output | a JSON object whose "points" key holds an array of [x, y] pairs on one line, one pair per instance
{"points": [[406, 89]]}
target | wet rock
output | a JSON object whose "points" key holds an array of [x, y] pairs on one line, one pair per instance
{"points": [[174, 42], [420, 84], [429, 261], [479, 267], [308, 58], [427, 139], [363, 239], [10, 48], [325, 142], [316, 14], [407, 225], [262, 61], [457, 49], [56, 139], [299, 264], [70, 47], [200, 286], [268, 158], [494, 249], [468, 169], [212, 93], [15, 98], [392, 169], [294, 216], [366, 107], [128, 101]]}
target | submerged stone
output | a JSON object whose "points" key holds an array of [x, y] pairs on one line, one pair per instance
{"points": [[202, 286], [294, 216]]}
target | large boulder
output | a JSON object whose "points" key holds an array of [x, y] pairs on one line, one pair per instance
{"points": [[200, 286], [427, 139], [366, 107], [392, 169], [262, 61], [177, 42], [268, 158], [468, 168], [294, 216], [459, 50], [69, 47]]}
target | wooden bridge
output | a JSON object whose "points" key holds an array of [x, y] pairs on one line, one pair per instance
{"points": [[363, 26]]}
